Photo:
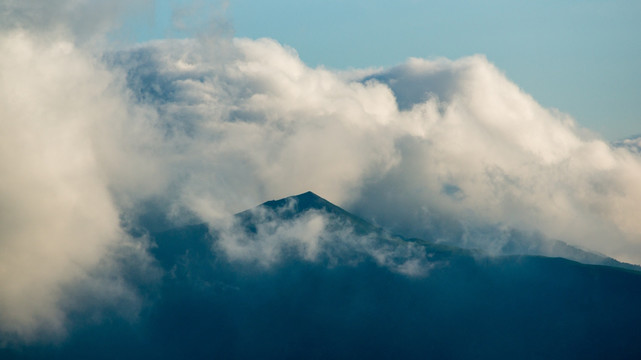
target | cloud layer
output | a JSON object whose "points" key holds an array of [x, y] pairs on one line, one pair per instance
{"points": [[205, 128], [484, 152], [438, 148]]}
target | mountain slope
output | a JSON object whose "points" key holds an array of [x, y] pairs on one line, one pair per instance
{"points": [[356, 306], [514, 243], [294, 206]]}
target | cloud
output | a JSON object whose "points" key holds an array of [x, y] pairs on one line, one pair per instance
{"points": [[481, 151], [437, 148], [59, 225], [247, 120]]}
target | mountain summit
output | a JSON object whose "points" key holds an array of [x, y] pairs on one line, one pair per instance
{"points": [[516, 244], [294, 206], [303, 202]]}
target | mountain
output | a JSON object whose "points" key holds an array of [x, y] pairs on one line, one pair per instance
{"points": [[347, 293], [294, 206], [513, 243]]}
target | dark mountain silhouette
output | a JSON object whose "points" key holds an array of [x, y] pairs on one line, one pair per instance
{"points": [[468, 306], [294, 206]]}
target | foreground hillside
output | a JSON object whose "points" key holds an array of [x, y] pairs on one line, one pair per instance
{"points": [[361, 293]]}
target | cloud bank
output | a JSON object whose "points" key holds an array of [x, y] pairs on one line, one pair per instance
{"points": [[439, 148], [443, 149]]}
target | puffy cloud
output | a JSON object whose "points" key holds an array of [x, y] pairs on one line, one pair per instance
{"points": [[59, 226], [481, 151], [247, 120], [438, 148]]}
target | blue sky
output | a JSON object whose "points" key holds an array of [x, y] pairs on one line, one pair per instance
{"points": [[578, 56]]}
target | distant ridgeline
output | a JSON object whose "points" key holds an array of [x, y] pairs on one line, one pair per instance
{"points": [[300, 278]]}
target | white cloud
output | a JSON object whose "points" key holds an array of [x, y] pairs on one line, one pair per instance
{"points": [[59, 225], [253, 122], [510, 161], [427, 143]]}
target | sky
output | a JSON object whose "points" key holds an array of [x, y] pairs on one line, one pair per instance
{"points": [[580, 57], [456, 136]]}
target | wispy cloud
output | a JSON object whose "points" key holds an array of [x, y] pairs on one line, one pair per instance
{"points": [[269, 237], [81, 20]]}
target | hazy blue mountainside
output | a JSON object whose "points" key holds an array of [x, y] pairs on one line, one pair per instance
{"points": [[355, 291], [493, 239], [512, 242]]}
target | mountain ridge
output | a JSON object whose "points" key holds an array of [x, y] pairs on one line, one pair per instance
{"points": [[467, 305], [308, 200]]}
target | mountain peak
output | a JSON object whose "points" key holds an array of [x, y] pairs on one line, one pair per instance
{"points": [[307, 194], [297, 205], [301, 203]]}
